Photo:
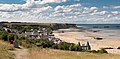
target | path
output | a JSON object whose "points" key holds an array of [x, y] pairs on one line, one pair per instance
{"points": [[21, 53]]}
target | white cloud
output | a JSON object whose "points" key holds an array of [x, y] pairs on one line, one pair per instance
{"points": [[115, 12], [40, 11], [116, 7], [45, 1]]}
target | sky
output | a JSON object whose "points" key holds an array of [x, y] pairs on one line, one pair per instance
{"points": [[61, 11]]}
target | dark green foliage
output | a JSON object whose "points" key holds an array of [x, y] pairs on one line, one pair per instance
{"points": [[55, 46], [78, 48], [98, 51], [45, 43], [25, 42], [38, 42], [74, 47], [102, 51], [93, 51], [11, 37], [63, 46], [3, 36], [67, 46]]}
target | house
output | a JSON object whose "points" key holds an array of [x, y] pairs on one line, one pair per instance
{"points": [[32, 35], [55, 40], [38, 34], [85, 46], [4, 28]]}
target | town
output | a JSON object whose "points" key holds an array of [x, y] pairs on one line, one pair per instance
{"points": [[34, 32]]}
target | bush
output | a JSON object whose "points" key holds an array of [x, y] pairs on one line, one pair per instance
{"points": [[98, 51], [63, 46], [74, 47], [11, 38], [71, 47], [67, 46], [102, 51], [93, 51], [55, 46], [4, 36]]}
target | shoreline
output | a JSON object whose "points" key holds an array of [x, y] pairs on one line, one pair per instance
{"points": [[85, 35]]}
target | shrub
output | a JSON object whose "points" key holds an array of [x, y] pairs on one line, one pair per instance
{"points": [[93, 51], [74, 47], [11, 38], [55, 46], [102, 51], [71, 47], [4, 36]]}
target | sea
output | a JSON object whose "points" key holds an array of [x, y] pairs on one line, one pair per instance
{"points": [[100, 26], [111, 31]]}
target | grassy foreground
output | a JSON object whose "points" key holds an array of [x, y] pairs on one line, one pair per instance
{"points": [[38, 53], [4, 50], [42, 53]]}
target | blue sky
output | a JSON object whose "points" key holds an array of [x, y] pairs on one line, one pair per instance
{"points": [[61, 11], [97, 3], [12, 1]]}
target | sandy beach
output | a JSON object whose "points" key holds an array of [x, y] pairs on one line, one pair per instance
{"points": [[110, 39]]}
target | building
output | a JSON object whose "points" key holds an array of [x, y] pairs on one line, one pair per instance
{"points": [[38, 34], [32, 35], [85, 46]]}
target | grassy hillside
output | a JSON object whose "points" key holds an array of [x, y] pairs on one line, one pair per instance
{"points": [[37, 53], [44, 53], [4, 50]]}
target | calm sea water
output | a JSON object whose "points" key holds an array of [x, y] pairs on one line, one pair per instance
{"points": [[110, 31], [100, 26]]}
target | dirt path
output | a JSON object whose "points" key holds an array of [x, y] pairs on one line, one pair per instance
{"points": [[21, 53]]}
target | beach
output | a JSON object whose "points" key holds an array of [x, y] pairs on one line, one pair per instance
{"points": [[110, 38]]}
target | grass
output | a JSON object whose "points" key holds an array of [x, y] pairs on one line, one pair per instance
{"points": [[38, 53], [41, 53], [4, 50]]}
